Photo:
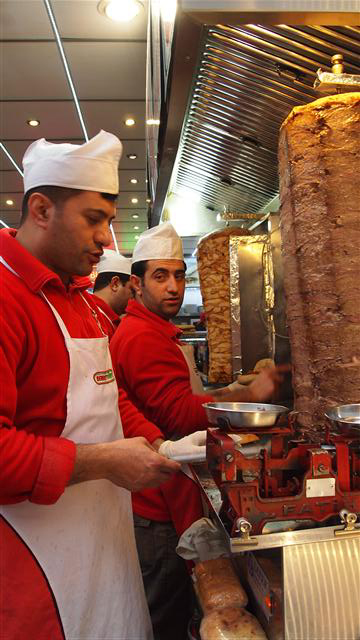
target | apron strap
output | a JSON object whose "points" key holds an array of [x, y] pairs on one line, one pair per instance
{"points": [[95, 316]]}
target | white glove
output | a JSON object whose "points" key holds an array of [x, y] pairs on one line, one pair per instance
{"points": [[188, 449]]}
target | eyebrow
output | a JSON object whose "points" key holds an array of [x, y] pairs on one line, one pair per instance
{"points": [[162, 270]]}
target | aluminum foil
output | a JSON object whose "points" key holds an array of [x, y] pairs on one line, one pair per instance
{"points": [[235, 305], [260, 247]]}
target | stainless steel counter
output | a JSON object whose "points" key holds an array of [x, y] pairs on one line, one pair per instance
{"points": [[320, 595]]}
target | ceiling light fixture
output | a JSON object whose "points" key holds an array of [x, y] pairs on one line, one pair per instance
{"points": [[134, 200], [32, 122], [120, 10], [129, 122], [8, 154], [148, 199], [152, 121], [9, 202], [133, 181], [136, 237], [131, 156], [66, 66], [136, 228], [135, 216]]}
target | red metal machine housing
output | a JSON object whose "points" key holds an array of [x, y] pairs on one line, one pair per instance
{"points": [[288, 479]]}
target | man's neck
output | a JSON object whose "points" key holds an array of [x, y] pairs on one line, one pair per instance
{"points": [[105, 295]]}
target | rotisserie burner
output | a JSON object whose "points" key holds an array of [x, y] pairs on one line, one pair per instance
{"points": [[288, 478]]}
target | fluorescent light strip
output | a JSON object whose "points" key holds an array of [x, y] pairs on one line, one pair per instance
{"points": [[4, 224], [66, 66], [114, 238], [10, 158]]}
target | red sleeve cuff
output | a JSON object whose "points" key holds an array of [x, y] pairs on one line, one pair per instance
{"points": [[147, 430], [55, 471], [206, 398]]}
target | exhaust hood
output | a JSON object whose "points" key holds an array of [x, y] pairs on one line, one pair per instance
{"points": [[233, 77]]}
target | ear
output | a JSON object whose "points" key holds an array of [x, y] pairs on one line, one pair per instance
{"points": [[115, 283], [40, 209], [135, 282]]}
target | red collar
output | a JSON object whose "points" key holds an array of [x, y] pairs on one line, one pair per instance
{"points": [[114, 317], [33, 272], [134, 308]]}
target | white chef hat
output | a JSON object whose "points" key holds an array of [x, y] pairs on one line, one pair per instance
{"points": [[111, 261], [92, 166], [159, 243]]}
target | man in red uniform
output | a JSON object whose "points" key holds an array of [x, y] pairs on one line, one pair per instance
{"points": [[112, 288], [69, 567], [160, 378]]}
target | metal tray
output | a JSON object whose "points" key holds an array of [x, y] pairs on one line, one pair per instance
{"points": [[243, 414], [345, 418]]}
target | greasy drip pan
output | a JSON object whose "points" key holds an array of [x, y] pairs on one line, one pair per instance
{"points": [[345, 418]]}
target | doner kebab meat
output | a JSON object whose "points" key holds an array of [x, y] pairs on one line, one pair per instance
{"points": [[213, 258], [319, 159]]}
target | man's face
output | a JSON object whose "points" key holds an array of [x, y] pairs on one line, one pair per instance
{"points": [[77, 233], [162, 290], [121, 296]]}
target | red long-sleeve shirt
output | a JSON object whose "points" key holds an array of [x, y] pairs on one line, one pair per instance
{"points": [[151, 368], [35, 461]]}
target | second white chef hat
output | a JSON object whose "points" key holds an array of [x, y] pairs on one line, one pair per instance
{"points": [[112, 262], [92, 166], [159, 243]]}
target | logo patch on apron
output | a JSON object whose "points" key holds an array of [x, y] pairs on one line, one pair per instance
{"points": [[104, 377]]}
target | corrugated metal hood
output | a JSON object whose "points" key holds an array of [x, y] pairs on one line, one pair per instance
{"points": [[245, 81]]}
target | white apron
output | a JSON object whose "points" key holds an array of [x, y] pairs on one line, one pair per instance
{"points": [[195, 379], [196, 387], [85, 541]]}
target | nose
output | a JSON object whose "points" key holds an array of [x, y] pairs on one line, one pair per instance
{"points": [[172, 285], [103, 236]]}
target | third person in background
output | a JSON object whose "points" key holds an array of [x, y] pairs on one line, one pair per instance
{"points": [[112, 288]]}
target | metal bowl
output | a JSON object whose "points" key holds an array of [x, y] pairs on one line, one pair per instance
{"points": [[345, 418], [242, 414]]}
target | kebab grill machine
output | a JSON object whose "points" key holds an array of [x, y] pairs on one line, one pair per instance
{"points": [[288, 504]]}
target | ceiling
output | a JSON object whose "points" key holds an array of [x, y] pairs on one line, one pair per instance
{"points": [[107, 62]]}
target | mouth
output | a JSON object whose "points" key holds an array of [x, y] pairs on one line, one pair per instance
{"points": [[95, 257], [172, 301]]}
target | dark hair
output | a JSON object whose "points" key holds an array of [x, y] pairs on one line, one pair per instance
{"points": [[57, 195], [139, 268], [105, 278]]}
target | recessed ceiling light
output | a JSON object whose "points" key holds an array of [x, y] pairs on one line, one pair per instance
{"points": [[148, 199], [131, 156], [120, 10], [136, 237], [129, 122], [133, 181], [134, 200], [9, 202], [152, 121], [136, 228], [135, 216], [33, 123]]}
